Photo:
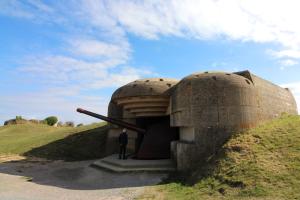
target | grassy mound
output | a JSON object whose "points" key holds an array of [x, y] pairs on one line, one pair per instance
{"points": [[80, 143], [262, 163]]}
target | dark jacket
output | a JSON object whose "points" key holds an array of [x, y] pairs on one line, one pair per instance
{"points": [[123, 139]]}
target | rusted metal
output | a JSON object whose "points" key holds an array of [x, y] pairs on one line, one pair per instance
{"points": [[113, 121]]}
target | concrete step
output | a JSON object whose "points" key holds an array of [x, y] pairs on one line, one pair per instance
{"points": [[112, 163], [129, 163], [114, 168]]}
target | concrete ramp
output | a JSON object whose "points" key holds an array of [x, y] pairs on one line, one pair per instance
{"points": [[112, 163]]}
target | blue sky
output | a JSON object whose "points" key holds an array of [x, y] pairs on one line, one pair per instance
{"points": [[56, 56]]}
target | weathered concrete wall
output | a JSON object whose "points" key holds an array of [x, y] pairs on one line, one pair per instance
{"points": [[272, 99], [187, 134], [207, 108], [216, 105], [114, 110]]}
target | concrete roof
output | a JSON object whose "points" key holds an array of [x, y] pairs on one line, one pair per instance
{"points": [[145, 87], [221, 77]]}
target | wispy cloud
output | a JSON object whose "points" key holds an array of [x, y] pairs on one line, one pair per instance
{"points": [[253, 20], [67, 71], [256, 21], [35, 10], [262, 22], [287, 57], [65, 83], [97, 51], [240, 20], [39, 5], [288, 63], [290, 53], [15, 8]]}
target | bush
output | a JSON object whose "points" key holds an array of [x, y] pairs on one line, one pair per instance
{"points": [[78, 125], [34, 121], [69, 124], [19, 118], [42, 121], [51, 120]]}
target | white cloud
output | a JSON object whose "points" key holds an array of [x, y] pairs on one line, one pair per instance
{"points": [[124, 76], [99, 49], [66, 83], [40, 5], [258, 21], [254, 20], [289, 53], [245, 20], [68, 72], [287, 57], [288, 63], [14, 8], [35, 10]]}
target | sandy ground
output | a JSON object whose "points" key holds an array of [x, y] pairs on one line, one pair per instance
{"points": [[45, 180]]}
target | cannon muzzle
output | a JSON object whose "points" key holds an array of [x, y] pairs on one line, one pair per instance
{"points": [[113, 121]]}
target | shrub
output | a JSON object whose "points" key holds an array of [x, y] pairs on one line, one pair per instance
{"points": [[78, 125], [19, 118], [69, 124], [42, 121], [34, 121], [9, 122], [51, 120]]}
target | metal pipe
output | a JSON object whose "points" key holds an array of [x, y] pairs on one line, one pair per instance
{"points": [[113, 121]]}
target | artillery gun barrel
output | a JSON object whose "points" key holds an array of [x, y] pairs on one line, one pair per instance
{"points": [[112, 120]]}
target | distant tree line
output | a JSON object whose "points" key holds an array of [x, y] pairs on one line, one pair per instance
{"points": [[51, 121]]}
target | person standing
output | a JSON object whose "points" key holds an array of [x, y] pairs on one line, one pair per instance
{"points": [[123, 141]]}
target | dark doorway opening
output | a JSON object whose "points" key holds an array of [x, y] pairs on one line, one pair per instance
{"points": [[155, 144]]}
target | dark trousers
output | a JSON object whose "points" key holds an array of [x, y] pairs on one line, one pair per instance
{"points": [[122, 151]]}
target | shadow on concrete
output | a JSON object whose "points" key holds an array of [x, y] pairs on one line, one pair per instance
{"points": [[76, 175], [47, 165]]}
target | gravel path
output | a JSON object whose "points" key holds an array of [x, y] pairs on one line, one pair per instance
{"points": [[24, 180]]}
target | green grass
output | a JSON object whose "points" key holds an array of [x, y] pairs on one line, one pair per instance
{"points": [[53, 142], [262, 163]]}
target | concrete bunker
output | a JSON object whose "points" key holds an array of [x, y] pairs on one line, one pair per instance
{"points": [[209, 107], [146, 103], [190, 119]]}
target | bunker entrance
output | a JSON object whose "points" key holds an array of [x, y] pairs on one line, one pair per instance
{"points": [[155, 144]]}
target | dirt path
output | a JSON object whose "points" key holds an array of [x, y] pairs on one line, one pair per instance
{"points": [[43, 180]]}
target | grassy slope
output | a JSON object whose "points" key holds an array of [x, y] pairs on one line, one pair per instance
{"points": [[45, 141], [263, 163]]}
